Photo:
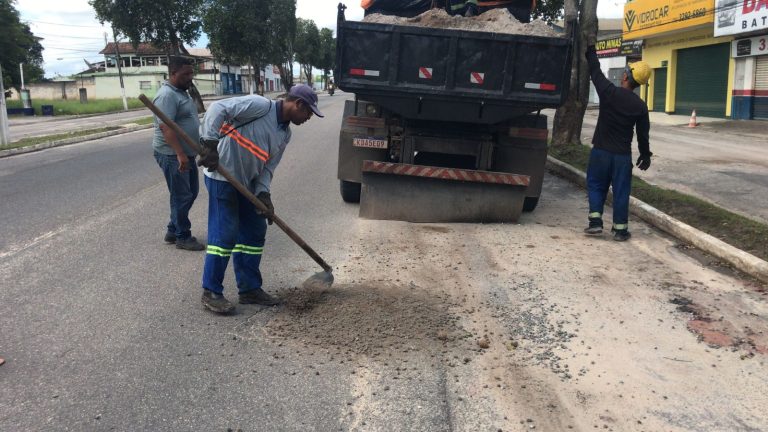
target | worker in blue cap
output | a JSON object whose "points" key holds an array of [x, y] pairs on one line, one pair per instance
{"points": [[246, 135]]}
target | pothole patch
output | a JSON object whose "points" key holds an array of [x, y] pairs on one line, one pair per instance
{"points": [[366, 319]]}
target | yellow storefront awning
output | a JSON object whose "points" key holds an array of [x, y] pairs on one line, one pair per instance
{"points": [[643, 18]]}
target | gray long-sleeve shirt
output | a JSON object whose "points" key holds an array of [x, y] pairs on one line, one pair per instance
{"points": [[252, 152]]}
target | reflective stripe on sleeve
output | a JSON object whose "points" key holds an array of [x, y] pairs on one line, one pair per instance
{"points": [[244, 142]]}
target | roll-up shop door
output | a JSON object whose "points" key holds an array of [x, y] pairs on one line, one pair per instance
{"points": [[760, 107], [702, 80], [659, 89]]}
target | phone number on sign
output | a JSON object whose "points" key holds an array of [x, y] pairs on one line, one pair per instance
{"points": [[693, 14]]}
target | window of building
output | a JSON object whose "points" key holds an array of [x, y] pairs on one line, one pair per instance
{"points": [[145, 85]]}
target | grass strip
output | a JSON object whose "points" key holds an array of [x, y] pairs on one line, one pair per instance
{"points": [[74, 107], [26, 142], [736, 230]]}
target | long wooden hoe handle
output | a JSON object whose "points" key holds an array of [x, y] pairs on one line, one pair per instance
{"points": [[242, 189]]}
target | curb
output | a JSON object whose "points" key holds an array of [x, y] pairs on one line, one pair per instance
{"points": [[743, 261], [75, 140]]}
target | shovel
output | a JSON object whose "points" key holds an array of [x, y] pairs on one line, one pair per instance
{"points": [[320, 280]]}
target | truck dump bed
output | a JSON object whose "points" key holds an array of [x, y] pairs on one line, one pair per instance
{"points": [[451, 75]]}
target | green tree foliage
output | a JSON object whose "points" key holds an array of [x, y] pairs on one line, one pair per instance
{"points": [[307, 46], [230, 26], [282, 29], [18, 45], [163, 23], [548, 10], [253, 32], [327, 58]]}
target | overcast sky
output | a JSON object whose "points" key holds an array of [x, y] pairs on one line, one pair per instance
{"points": [[71, 32]]}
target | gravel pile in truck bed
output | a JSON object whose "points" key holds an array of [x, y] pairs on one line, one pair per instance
{"points": [[495, 21]]}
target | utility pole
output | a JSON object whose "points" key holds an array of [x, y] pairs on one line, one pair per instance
{"points": [[5, 138], [21, 71], [120, 70]]}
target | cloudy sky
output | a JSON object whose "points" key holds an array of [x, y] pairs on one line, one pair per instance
{"points": [[71, 32]]}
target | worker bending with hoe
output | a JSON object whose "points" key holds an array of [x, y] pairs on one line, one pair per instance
{"points": [[610, 161], [247, 136]]}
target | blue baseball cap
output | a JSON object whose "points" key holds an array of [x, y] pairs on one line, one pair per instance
{"points": [[305, 93]]}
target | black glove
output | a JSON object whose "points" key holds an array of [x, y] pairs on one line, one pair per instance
{"points": [[266, 198], [644, 161], [209, 154]]}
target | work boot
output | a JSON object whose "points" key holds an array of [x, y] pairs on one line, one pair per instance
{"points": [[190, 244], [621, 235], [170, 237], [595, 226], [216, 302], [258, 296]]}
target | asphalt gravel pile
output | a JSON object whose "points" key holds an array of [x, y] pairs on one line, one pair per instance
{"points": [[494, 21], [536, 326], [363, 319]]}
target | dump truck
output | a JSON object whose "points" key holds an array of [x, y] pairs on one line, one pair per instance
{"points": [[445, 124]]}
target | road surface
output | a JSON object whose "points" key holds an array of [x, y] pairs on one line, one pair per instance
{"points": [[429, 327]]}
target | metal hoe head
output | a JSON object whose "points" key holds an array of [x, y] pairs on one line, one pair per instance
{"points": [[319, 281]]}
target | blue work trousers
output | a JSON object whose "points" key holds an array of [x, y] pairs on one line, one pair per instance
{"points": [[183, 188], [609, 169], [235, 230]]}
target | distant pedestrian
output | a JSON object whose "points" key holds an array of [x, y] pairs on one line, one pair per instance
{"points": [[610, 161], [246, 135], [173, 156]]}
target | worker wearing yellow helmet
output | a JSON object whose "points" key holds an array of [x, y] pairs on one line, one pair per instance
{"points": [[610, 161]]}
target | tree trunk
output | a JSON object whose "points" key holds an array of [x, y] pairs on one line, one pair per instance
{"points": [[252, 84], [569, 118], [308, 73], [286, 75]]}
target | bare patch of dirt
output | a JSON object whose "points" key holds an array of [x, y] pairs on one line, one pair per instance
{"points": [[365, 319], [494, 21]]}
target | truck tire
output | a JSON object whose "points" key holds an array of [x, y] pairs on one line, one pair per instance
{"points": [[350, 191], [530, 203]]}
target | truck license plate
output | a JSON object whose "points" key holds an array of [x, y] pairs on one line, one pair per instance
{"points": [[370, 142]]}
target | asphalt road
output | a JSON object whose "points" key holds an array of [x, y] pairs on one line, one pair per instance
{"points": [[429, 327]]}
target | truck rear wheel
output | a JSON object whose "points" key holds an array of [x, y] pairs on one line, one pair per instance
{"points": [[350, 191], [530, 203]]}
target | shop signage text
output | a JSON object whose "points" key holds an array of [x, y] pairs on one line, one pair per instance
{"points": [[654, 17], [741, 16], [753, 46]]}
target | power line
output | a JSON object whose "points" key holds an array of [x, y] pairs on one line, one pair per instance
{"points": [[66, 36], [65, 25]]}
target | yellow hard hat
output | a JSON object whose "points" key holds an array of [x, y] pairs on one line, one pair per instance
{"points": [[640, 72]]}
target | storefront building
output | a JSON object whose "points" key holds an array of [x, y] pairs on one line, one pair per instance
{"points": [[692, 69], [747, 21]]}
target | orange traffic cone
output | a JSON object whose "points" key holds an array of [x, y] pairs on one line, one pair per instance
{"points": [[692, 123]]}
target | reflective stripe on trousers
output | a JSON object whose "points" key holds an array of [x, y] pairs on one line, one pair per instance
{"points": [[234, 230]]}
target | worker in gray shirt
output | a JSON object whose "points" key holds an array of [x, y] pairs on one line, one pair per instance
{"points": [[247, 136], [175, 158]]}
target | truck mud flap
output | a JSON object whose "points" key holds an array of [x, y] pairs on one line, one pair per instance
{"points": [[415, 193]]}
